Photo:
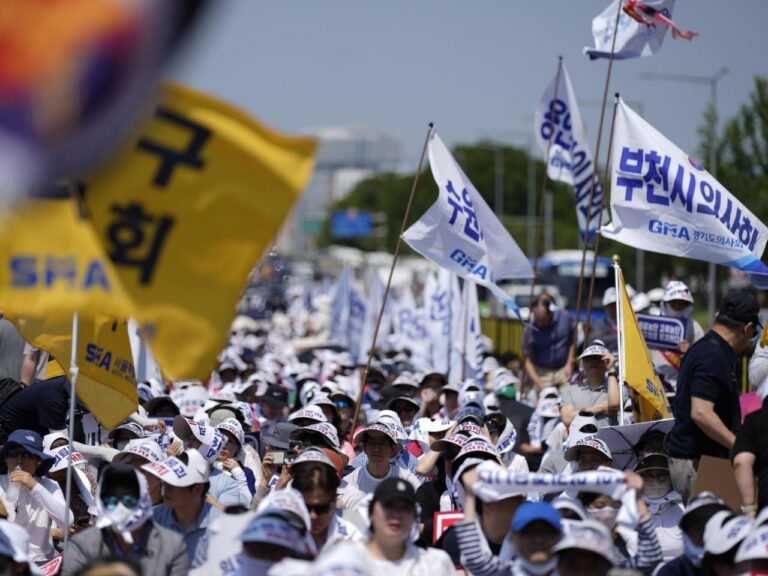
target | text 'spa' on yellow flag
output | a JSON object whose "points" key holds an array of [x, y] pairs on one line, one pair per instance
{"points": [[186, 211], [636, 365], [52, 263], [106, 382]]}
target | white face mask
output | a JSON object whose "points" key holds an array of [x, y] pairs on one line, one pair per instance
{"points": [[656, 487], [606, 516], [537, 568], [255, 566], [118, 516]]}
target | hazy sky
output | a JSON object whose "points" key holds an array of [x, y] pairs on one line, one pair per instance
{"points": [[475, 68]]}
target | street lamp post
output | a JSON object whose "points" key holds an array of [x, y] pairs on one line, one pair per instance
{"points": [[712, 81]]}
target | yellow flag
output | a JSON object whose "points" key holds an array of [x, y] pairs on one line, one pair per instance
{"points": [[636, 364], [52, 262], [184, 214], [106, 381]]}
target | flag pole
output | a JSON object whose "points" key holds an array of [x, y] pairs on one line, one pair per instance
{"points": [[74, 370], [364, 376], [600, 216], [585, 242], [540, 223], [619, 332]]}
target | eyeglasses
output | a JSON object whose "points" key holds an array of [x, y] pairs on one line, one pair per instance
{"points": [[18, 454], [129, 501], [319, 509]]}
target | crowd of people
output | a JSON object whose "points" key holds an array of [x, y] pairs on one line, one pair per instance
{"points": [[273, 467]]}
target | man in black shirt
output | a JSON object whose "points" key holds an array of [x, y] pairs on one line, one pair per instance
{"points": [[42, 407], [706, 405], [750, 458]]}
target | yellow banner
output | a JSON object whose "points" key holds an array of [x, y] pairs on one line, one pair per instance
{"points": [[185, 213], [52, 262], [106, 382], [637, 368]]}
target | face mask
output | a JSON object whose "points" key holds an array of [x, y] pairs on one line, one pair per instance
{"points": [[537, 568], [606, 516], [118, 516], [692, 552], [675, 313], [255, 566], [120, 444], [656, 487]]}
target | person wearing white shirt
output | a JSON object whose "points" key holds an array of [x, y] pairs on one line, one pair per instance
{"points": [[33, 502]]}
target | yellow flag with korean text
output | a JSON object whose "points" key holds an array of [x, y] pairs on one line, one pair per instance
{"points": [[649, 399], [52, 263], [184, 214], [106, 381]]}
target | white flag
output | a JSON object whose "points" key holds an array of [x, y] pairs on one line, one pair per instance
{"points": [[664, 201], [633, 39], [460, 233], [467, 340], [340, 309], [358, 312], [444, 308], [558, 128], [410, 329], [143, 360]]}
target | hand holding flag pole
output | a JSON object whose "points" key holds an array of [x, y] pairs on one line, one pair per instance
{"points": [[364, 376]]}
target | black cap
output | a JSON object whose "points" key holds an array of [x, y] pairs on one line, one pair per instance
{"points": [[275, 396], [653, 462], [393, 489], [740, 306], [155, 405]]}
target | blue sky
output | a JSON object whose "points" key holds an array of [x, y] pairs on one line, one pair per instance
{"points": [[475, 68]]}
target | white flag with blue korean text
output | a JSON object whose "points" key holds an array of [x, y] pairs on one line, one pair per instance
{"points": [[633, 39], [340, 309], [460, 233], [410, 330], [443, 301], [664, 201], [468, 339], [559, 131]]}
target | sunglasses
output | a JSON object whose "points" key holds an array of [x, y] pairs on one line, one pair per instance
{"points": [[342, 404], [319, 509], [129, 501], [18, 454]]}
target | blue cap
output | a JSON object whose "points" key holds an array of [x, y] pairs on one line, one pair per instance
{"points": [[32, 443], [471, 412], [529, 512]]}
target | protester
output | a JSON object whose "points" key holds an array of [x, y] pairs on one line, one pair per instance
{"points": [[706, 404], [589, 453], [124, 528], [136, 454], [750, 457], [550, 344], [597, 393], [185, 509], [723, 534], [585, 550], [605, 328], [230, 459], [34, 502], [42, 408]]}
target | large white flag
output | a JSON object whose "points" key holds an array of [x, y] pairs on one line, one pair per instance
{"points": [[461, 233], [664, 201], [633, 39], [340, 309], [410, 329], [558, 129], [359, 309], [468, 339]]}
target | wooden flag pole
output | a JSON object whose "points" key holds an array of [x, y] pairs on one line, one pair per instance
{"points": [[585, 242], [364, 376], [606, 173]]}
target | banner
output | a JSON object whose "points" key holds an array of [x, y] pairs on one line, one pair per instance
{"points": [[662, 200], [340, 309], [106, 382], [649, 400], [559, 131], [467, 357], [460, 233], [410, 331], [53, 263], [496, 482], [633, 39], [662, 332], [358, 313], [185, 213], [444, 307]]}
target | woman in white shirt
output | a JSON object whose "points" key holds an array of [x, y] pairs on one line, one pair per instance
{"points": [[33, 501]]}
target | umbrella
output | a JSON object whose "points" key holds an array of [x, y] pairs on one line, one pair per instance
{"points": [[622, 440]]}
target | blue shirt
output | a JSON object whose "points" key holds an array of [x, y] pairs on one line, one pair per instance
{"points": [[195, 537], [225, 489], [547, 346]]}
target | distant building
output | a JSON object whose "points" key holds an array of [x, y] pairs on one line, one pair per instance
{"points": [[345, 157]]}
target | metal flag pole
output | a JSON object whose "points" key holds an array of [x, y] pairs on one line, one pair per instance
{"points": [[600, 220], [364, 376], [594, 173], [620, 332], [74, 370]]}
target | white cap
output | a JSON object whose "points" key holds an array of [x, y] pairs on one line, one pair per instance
{"points": [[211, 440], [596, 349], [609, 296], [590, 536], [428, 425], [677, 290], [505, 379], [755, 546], [311, 412], [572, 452], [392, 421], [142, 447], [724, 531], [174, 472], [233, 426], [49, 439]]}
